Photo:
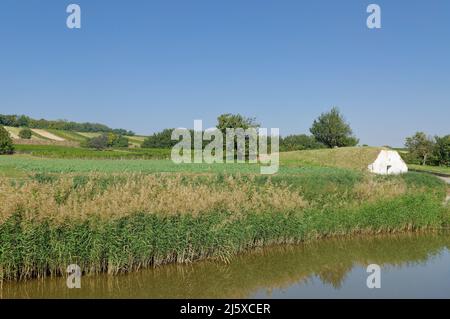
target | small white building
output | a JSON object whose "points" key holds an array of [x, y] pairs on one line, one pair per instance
{"points": [[388, 162]]}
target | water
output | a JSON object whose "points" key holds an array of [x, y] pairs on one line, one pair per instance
{"points": [[412, 266]]}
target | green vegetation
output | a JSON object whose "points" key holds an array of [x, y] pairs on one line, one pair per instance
{"points": [[348, 157], [444, 170], [120, 223], [25, 133], [25, 121], [332, 130], [64, 205], [299, 143], [425, 150], [6, 145], [64, 152]]}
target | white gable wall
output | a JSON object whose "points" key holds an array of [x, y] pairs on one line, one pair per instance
{"points": [[387, 163]]}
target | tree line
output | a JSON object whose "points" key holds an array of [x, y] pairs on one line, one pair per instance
{"points": [[28, 122], [426, 150], [329, 130]]}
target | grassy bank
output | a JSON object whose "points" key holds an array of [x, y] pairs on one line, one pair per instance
{"points": [[347, 157], [122, 222], [441, 170]]}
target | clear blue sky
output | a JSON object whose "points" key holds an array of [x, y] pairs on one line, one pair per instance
{"points": [[147, 65]]}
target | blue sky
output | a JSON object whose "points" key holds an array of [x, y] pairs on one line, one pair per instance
{"points": [[148, 65]]}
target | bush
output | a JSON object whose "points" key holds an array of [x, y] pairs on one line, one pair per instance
{"points": [[25, 133], [299, 142], [160, 140], [6, 144], [442, 150], [98, 142]]}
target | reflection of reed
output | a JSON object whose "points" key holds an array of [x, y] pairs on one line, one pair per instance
{"points": [[262, 269]]}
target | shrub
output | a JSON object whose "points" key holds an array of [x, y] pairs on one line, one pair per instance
{"points": [[98, 142], [25, 133], [299, 142], [6, 144], [161, 139]]}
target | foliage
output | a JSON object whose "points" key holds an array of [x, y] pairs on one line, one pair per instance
{"points": [[441, 150], [25, 133], [420, 147], [25, 121], [161, 139], [299, 142], [332, 130], [228, 120], [64, 152], [98, 142], [6, 144]]}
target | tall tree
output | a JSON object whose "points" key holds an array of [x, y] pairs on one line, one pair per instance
{"points": [[420, 146], [442, 150], [228, 120], [331, 129], [6, 144]]}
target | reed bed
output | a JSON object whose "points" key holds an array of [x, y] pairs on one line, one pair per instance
{"points": [[123, 222]]}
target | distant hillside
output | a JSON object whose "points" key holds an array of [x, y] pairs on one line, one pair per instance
{"points": [[63, 125]]}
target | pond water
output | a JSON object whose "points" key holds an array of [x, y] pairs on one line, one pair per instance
{"points": [[412, 266]]}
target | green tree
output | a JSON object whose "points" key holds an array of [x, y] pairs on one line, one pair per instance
{"points": [[228, 120], [420, 147], [25, 133], [442, 150], [161, 139], [6, 144], [299, 142], [98, 142], [331, 129]]}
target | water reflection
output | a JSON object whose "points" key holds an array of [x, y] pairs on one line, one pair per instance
{"points": [[328, 268]]}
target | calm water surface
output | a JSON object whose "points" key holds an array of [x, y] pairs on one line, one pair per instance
{"points": [[412, 266]]}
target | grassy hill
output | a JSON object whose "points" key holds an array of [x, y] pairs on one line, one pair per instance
{"points": [[54, 136], [345, 157]]}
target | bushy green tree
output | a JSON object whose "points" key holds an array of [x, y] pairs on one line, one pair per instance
{"points": [[228, 120], [442, 150], [299, 142], [98, 142], [25, 133], [120, 141], [6, 144], [331, 129], [420, 147], [161, 139]]}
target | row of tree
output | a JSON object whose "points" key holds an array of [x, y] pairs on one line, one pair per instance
{"points": [[426, 150], [106, 140], [329, 130], [25, 121]]}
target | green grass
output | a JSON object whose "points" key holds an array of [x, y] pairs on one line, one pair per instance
{"points": [[142, 240], [445, 170], [64, 152], [347, 157]]}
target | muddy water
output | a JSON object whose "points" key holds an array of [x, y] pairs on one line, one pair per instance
{"points": [[412, 266]]}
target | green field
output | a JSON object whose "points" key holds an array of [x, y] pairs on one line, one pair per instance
{"points": [[63, 152]]}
